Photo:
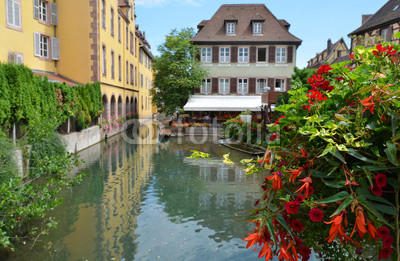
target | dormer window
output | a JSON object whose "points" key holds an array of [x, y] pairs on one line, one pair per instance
{"points": [[257, 28], [230, 28]]}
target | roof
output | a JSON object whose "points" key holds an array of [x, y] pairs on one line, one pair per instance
{"points": [[341, 59], [223, 103], [333, 47], [123, 3], [274, 31], [56, 78], [386, 15]]}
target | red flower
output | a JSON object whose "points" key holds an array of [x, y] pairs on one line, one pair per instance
{"points": [[306, 186], [316, 215], [369, 104], [352, 57], [307, 107], [273, 137], [381, 180], [305, 252], [277, 121], [390, 50], [292, 207], [339, 79], [377, 191], [297, 225], [324, 69], [299, 199], [258, 201], [385, 253], [388, 241], [310, 191], [383, 232]]}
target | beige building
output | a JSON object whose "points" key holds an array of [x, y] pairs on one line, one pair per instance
{"points": [[334, 53]]}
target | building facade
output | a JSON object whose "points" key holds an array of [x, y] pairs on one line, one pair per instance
{"points": [[95, 42], [378, 27], [245, 50], [334, 53]]}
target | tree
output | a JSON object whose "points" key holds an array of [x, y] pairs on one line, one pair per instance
{"points": [[178, 72]]}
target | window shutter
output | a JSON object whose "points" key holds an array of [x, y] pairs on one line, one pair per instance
{"points": [[290, 54], [17, 14], [36, 42], [36, 9], [271, 84], [19, 58], [234, 54], [233, 83], [390, 33], [215, 54], [271, 54], [253, 54], [214, 85], [54, 14], [55, 48], [11, 57], [252, 85], [288, 84], [10, 14]]}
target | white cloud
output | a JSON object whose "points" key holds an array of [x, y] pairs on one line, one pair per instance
{"points": [[158, 3]]}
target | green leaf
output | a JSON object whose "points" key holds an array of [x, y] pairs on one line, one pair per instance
{"points": [[338, 155], [339, 196], [376, 168], [282, 221], [320, 174], [385, 209], [396, 35], [337, 184], [391, 152], [271, 229], [365, 192], [344, 205], [394, 183], [359, 156], [394, 124], [373, 210]]}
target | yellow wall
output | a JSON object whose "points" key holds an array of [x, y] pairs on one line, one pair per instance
{"points": [[145, 105], [21, 41]]}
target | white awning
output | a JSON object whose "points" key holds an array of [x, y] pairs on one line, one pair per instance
{"points": [[223, 103]]}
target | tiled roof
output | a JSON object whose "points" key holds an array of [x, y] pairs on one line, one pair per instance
{"points": [[56, 78], [389, 13], [273, 30], [333, 47], [341, 59]]}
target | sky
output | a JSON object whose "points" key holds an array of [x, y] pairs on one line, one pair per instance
{"points": [[313, 21]]}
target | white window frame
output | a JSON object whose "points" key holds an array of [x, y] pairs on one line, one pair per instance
{"points": [[257, 28], [282, 82], [243, 54], [112, 64], [103, 13], [260, 86], [43, 11], [231, 28], [224, 55], [281, 54], [206, 54], [206, 86], [385, 34], [224, 84], [15, 7], [104, 62], [243, 86], [266, 54], [112, 20], [119, 28], [44, 46]]}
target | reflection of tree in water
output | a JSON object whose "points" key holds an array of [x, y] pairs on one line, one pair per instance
{"points": [[211, 193]]}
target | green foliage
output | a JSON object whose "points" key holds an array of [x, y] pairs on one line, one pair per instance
{"points": [[178, 73], [238, 130], [300, 77]]}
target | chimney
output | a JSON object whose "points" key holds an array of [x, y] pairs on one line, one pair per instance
{"points": [[365, 18], [329, 46]]}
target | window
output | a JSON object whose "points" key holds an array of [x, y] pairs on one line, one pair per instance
{"points": [[13, 13], [119, 28], [242, 86], [224, 55], [145, 60], [339, 53], [146, 82], [281, 54], [127, 36], [103, 13], [243, 55], [127, 72], [104, 60], [224, 86], [119, 68], [112, 65], [280, 85], [141, 80], [112, 21], [206, 55], [206, 86], [262, 54], [131, 38], [141, 56], [42, 44], [261, 84], [385, 34], [15, 58], [43, 11], [131, 74], [135, 76], [230, 28], [135, 46], [257, 28]]}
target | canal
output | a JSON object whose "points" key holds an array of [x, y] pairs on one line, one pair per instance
{"points": [[150, 202]]}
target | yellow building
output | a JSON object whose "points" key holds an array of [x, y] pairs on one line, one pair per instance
{"points": [[78, 42]]}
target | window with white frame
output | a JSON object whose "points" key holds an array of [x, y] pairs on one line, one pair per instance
{"points": [[243, 55], [262, 54], [261, 84], [44, 46], [230, 28], [104, 53], [385, 34], [141, 80], [243, 86], [206, 55], [281, 54], [127, 72], [206, 86], [13, 13], [119, 28], [119, 68], [257, 28], [103, 13], [43, 7], [224, 86], [280, 85], [112, 65], [15, 58], [224, 55], [112, 21]]}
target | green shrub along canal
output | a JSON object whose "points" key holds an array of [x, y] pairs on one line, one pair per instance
{"points": [[150, 202]]}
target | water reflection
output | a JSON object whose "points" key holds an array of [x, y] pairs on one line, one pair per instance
{"points": [[150, 202]]}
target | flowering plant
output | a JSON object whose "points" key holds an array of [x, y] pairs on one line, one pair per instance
{"points": [[332, 174], [112, 123]]}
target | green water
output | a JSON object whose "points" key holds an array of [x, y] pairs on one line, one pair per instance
{"points": [[149, 202]]}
